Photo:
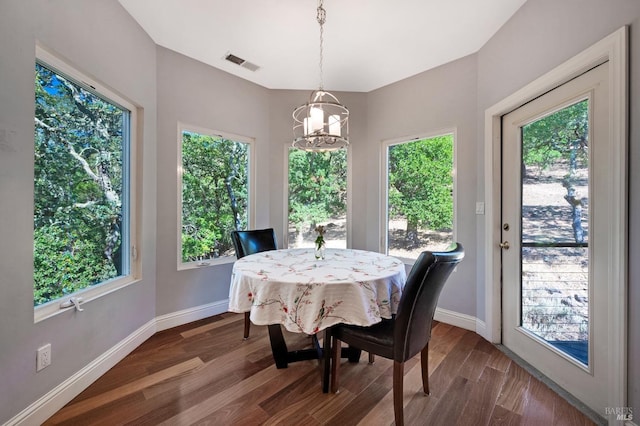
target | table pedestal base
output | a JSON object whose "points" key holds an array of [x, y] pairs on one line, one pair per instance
{"points": [[282, 356]]}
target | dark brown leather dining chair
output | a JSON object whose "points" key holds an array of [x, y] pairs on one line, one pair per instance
{"points": [[409, 331], [250, 242]]}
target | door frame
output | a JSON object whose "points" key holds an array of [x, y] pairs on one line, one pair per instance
{"points": [[614, 49]]}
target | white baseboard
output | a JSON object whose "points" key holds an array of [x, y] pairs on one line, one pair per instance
{"points": [[481, 329], [59, 396], [463, 321], [454, 318], [174, 319]]}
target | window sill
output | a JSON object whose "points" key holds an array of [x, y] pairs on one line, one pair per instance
{"points": [[406, 260], [52, 309], [206, 263]]}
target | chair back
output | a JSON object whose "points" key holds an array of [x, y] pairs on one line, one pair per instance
{"points": [[412, 329], [253, 241]]}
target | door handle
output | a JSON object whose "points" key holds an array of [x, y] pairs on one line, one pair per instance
{"points": [[504, 245]]}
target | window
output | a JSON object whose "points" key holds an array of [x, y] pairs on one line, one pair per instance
{"points": [[83, 209], [317, 196], [215, 194], [419, 209]]}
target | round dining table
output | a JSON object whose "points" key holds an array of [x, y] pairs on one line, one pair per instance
{"points": [[306, 295], [290, 288]]}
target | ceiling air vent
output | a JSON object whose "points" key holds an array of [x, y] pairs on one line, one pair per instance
{"points": [[239, 61], [250, 66]]}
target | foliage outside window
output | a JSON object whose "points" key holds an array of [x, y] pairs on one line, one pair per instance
{"points": [[555, 229], [81, 187], [317, 196], [556, 142], [215, 194], [419, 196]]}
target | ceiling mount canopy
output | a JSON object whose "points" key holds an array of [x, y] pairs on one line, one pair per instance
{"points": [[321, 124]]}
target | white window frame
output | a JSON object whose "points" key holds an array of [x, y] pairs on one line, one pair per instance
{"points": [[285, 206], [384, 184], [52, 308], [182, 127]]}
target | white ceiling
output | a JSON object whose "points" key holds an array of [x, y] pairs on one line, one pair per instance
{"points": [[367, 43]]}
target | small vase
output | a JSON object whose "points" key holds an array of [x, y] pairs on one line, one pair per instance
{"points": [[320, 251]]}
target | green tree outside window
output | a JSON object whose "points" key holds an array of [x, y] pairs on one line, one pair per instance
{"points": [[80, 187], [317, 194], [215, 173], [420, 194]]}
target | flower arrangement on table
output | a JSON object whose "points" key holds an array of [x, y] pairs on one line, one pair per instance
{"points": [[320, 243]]}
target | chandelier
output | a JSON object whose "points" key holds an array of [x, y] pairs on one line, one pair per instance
{"points": [[322, 124]]}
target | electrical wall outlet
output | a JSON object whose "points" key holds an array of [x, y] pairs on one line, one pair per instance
{"points": [[43, 357]]}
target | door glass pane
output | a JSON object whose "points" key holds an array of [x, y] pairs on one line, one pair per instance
{"points": [[555, 230]]}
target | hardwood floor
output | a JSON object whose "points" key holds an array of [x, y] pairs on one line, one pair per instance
{"points": [[204, 373]]}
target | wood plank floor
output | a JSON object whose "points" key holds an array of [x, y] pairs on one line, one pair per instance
{"points": [[204, 373]]}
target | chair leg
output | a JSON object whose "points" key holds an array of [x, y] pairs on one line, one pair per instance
{"points": [[424, 360], [372, 358], [247, 324], [325, 355], [336, 349], [398, 377]]}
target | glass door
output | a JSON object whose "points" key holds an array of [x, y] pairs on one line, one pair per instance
{"points": [[554, 234]]}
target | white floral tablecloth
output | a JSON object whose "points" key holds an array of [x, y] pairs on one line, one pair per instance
{"points": [[305, 295]]}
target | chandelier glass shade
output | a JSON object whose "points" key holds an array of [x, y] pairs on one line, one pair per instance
{"points": [[322, 124]]}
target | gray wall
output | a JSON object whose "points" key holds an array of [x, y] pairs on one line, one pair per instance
{"points": [[541, 35], [102, 40], [440, 99], [196, 94]]}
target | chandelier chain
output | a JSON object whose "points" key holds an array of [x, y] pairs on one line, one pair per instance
{"points": [[322, 17], [321, 124]]}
